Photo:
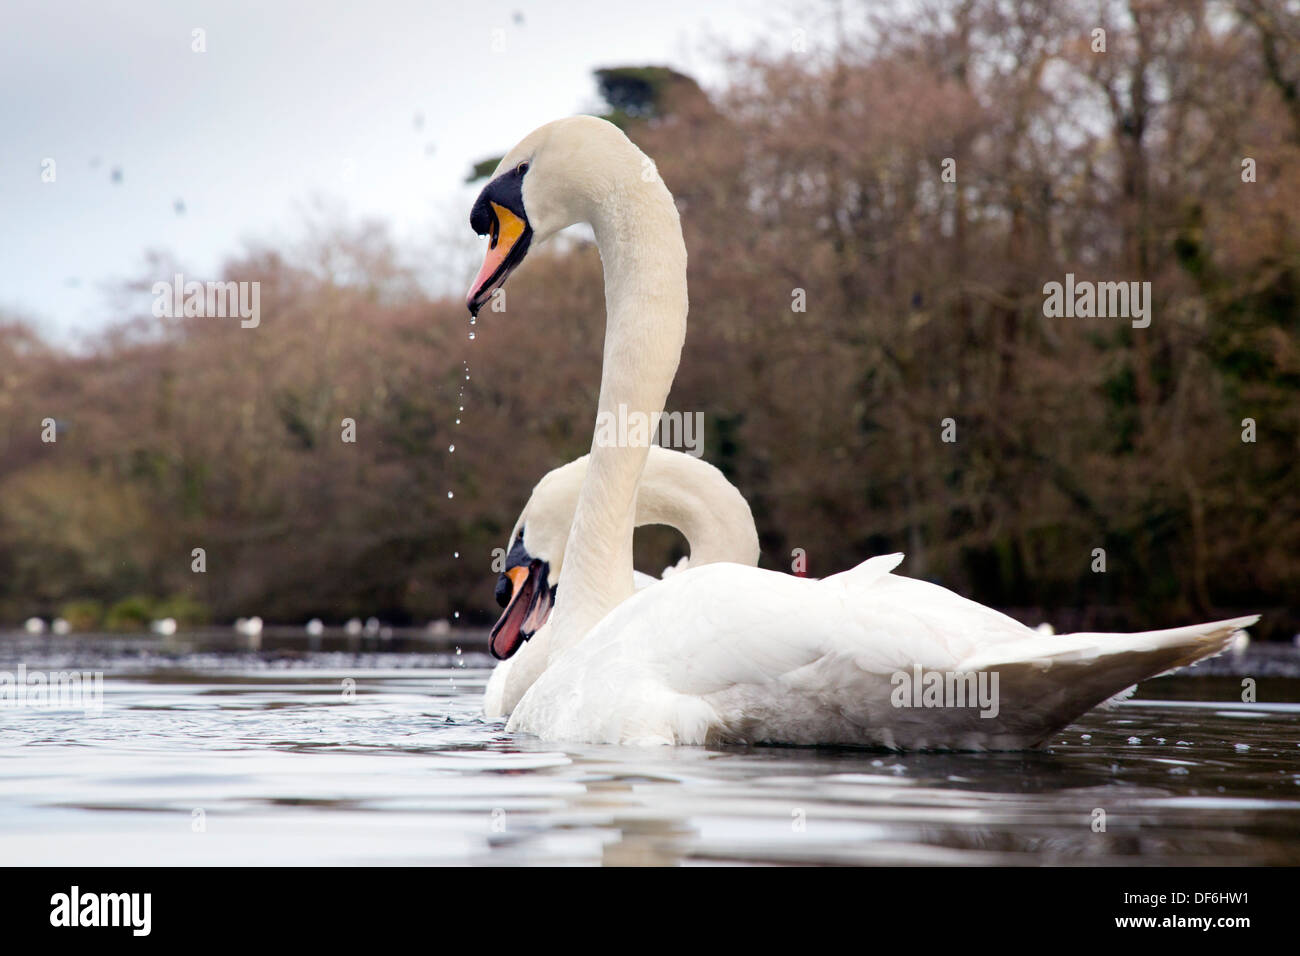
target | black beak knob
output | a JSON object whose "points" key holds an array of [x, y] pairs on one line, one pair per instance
{"points": [[504, 589]]}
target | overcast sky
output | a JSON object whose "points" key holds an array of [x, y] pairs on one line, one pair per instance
{"points": [[291, 102]]}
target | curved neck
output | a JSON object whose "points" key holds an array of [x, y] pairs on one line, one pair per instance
{"points": [[676, 490], [692, 496], [644, 257]]}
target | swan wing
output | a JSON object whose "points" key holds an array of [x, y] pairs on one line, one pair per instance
{"points": [[728, 653]]}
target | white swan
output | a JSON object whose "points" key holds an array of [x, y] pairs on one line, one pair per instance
{"points": [[676, 489], [725, 652]]}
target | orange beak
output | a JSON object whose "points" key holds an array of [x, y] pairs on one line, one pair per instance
{"points": [[507, 244], [526, 612]]}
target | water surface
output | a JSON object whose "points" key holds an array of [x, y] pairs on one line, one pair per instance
{"points": [[357, 751]]}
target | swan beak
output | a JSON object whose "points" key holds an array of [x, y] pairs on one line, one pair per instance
{"points": [[509, 235], [527, 610]]}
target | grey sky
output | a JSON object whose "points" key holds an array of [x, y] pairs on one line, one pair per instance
{"points": [[290, 101]]}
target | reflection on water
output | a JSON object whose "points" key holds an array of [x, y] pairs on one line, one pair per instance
{"points": [[211, 757]]}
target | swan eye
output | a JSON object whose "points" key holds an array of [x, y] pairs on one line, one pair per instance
{"points": [[521, 169]]}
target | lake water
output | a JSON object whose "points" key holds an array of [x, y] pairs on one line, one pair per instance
{"points": [[361, 751]]}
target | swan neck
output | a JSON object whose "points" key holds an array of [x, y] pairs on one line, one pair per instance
{"points": [[644, 257], [697, 500]]}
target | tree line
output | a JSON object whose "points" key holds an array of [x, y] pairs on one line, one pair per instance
{"points": [[873, 212]]}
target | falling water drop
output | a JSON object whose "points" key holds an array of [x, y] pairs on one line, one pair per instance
{"points": [[451, 494], [451, 448], [471, 336]]}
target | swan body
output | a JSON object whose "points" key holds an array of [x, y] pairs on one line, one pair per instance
{"points": [[676, 489], [732, 654], [729, 653]]}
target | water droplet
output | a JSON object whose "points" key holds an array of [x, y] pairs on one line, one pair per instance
{"points": [[451, 494], [455, 554], [451, 448], [471, 337], [456, 614]]}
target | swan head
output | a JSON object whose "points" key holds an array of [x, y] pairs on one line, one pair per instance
{"points": [[526, 594], [527, 584], [558, 175]]}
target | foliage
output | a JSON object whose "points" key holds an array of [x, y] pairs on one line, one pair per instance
{"points": [[818, 173], [130, 614], [82, 615]]}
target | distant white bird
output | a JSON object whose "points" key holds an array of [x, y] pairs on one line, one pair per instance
{"points": [[353, 626], [166, 625], [34, 625], [315, 627], [250, 626], [60, 626]]}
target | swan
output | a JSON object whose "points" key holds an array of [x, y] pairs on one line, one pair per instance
{"points": [[727, 653], [676, 489], [249, 626]]}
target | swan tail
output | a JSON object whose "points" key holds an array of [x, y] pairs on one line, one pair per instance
{"points": [[866, 573], [1045, 682]]}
